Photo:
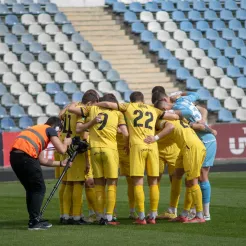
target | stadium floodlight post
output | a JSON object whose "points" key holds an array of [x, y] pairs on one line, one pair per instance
{"points": [[71, 158]]}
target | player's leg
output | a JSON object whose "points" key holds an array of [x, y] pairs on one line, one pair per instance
{"points": [[67, 201], [90, 197]]}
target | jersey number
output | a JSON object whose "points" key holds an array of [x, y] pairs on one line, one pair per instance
{"points": [[104, 122], [139, 114], [67, 125], [183, 124]]}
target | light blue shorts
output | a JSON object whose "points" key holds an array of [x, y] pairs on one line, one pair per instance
{"points": [[211, 148]]}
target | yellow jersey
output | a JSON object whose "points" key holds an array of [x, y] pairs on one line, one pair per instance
{"points": [[120, 141], [182, 134], [103, 134], [141, 120]]}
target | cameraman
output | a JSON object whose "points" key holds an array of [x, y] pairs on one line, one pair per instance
{"points": [[26, 158]]}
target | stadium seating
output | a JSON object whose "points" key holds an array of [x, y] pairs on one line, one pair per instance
{"points": [[201, 42]]}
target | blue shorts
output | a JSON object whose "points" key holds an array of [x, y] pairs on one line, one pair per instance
{"points": [[211, 148]]}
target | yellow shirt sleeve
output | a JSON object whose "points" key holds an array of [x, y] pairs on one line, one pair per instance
{"points": [[85, 110], [159, 113], [123, 106], [121, 119]]}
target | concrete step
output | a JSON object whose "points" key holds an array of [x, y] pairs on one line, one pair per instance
{"points": [[138, 70], [113, 47], [120, 52], [97, 28], [105, 38], [135, 61], [159, 76], [82, 17], [146, 87], [82, 9], [134, 67], [105, 33], [145, 80], [115, 42], [93, 23]]}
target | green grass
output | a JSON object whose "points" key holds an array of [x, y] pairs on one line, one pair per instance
{"points": [[228, 225]]}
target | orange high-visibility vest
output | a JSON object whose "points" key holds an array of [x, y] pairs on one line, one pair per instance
{"points": [[32, 140]]}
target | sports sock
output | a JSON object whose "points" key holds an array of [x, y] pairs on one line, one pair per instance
{"points": [[197, 197], [139, 199], [206, 196], [130, 192], [175, 192], [188, 199], [61, 193], [111, 199], [77, 200], [67, 199], [91, 198], [100, 199], [154, 198]]}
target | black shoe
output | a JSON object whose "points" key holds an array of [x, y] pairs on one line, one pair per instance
{"points": [[66, 221], [80, 222], [103, 221], [38, 225]]}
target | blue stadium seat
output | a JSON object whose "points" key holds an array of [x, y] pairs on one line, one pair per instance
{"points": [[237, 43], [230, 52], [60, 18], [25, 122], [86, 47], [10, 2], [242, 33], [121, 86], [194, 15], [69, 87], [26, 2], [225, 115], [19, 9], [51, 8], [241, 14], [223, 62], [119, 8], [202, 26], [3, 89], [36, 48], [113, 76], [44, 57], [204, 44], [228, 34], [173, 64], [17, 111], [212, 34], [104, 66], [214, 53], [196, 35], [164, 54], [241, 82], [182, 73], [130, 17], [68, 29], [42, 2], [61, 99], [226, 15], [3, 30], [210, 15], [183, 6], [11, 20], [27, 57], [239, 61], [77, 96], [204, 94], [137, 27], [178, 16], [35, 9], [7, 124], [167, 6], [3, 112], [243, 51], [52, 88], [218, 25], [127, 96], [146, 36], [18, 48], [213, 104], [18, 29], [233, 72], [199, 5], [221, 43], [215, 5], [136, 7], [110, 2], [4, 9], [193, 84], [231, 5], [235, 25], [186, 26], [243, 4], [77, 38], [27, 39], [155, 45], [10, 39]]}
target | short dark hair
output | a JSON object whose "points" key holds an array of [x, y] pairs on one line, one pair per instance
{"points": [[157, 104], [54, 122], [109, 97], [90, 97], [157, 96], [159, 89], [137, 96], [100, 99]]}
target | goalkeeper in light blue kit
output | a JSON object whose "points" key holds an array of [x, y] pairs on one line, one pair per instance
{"points": [[182, 104]]}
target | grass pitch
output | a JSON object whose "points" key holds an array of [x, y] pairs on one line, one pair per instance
{"points": [[228, 225]]}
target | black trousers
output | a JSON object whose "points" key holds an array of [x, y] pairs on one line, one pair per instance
{"points": [[29, 172]]}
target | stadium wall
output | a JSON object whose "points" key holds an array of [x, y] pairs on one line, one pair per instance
{"points": [[231, 140], [79, 3]]}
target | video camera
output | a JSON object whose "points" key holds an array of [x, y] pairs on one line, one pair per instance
{"points": [[78, 145]]}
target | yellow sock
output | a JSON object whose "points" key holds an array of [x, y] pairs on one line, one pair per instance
{"points": [[91, 198], [154, 197], [100, 198], [111, 199], [197, 197], [175, 192], [139, 198], [77, 199], [188, 199], [67, 199], [130, 192], [61, 193]]}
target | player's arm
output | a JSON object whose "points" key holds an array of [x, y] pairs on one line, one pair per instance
{"points": [[170, 115], [125, 133], [116, 106], [51, 163], [80, 127], [204, 114], [63, 111], [87, 163], [167, 129], [72, 108], [202, 127], [61, 147]]}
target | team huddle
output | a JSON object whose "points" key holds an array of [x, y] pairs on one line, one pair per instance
{"points": [[137, 139]]}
